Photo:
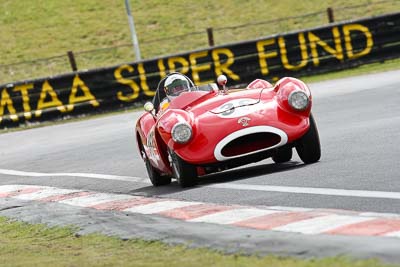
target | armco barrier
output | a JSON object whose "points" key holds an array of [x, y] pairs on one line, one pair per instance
{"points": [[301, 53]]}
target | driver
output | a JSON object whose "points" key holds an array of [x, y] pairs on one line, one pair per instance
{"points": [[174, 85]]}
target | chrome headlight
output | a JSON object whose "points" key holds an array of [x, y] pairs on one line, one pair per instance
{"points": [[181, 132], [298, 100]]}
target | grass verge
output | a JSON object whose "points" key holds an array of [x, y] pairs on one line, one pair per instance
{"points": [[23, 244]]}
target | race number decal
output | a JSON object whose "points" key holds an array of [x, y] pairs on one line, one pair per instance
{"points": [[237, 108], [151, 146]]}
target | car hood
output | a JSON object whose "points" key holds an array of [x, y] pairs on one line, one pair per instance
{"points": [[224, 102]]}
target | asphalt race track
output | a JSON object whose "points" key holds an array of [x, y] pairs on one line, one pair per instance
{"points": [[356, 181]]}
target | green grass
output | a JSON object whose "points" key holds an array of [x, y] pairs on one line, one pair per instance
{"points": [[22, 244], [46, 28]]}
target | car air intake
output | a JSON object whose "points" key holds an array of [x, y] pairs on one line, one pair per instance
{"points": [[250, 143]]}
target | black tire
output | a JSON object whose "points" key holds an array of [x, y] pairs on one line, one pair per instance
{"points": [[185, 173], [308, 146], [283, 154], [155, 178]]}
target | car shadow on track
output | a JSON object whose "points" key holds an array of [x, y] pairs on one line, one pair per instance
{"points": [[239, 173], [249, 172]]}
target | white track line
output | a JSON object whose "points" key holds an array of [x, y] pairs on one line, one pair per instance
{"points": [[230, 186], [83, 175], [310, 190]]}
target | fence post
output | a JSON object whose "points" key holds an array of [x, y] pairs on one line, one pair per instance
{"points": [[72, 61], [210, 35], [329, 10]]}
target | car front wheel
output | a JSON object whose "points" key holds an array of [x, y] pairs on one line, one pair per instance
{"points": [[185, 173], [308, 146]]}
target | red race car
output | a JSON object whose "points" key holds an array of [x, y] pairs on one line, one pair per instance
{"points": [[206, 129]]}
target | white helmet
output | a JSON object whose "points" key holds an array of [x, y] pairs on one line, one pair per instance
{"points": [[176, 84]]}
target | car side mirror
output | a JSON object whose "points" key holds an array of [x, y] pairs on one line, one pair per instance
{"points": [[149, 107]]}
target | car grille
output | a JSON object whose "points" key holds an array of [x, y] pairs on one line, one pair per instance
{"points": [[250, 143]]}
